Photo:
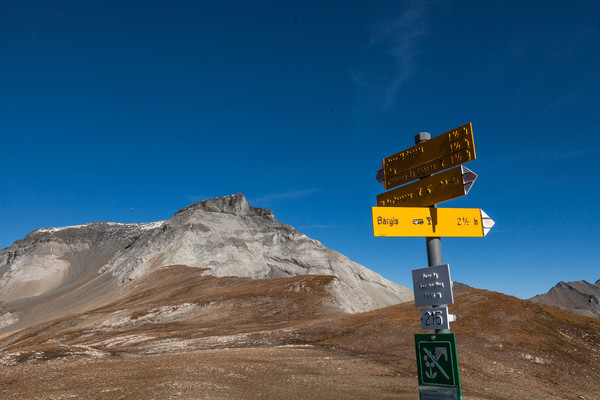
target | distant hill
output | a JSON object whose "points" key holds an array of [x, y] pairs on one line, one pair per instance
{"points": [[457, 286], [580, 297]]}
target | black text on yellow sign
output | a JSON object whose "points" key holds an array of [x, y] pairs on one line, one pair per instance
{"points": [[428, 191], [430, 222], [440, 153]]}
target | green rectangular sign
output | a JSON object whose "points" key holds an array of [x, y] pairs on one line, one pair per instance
{"points": [[437, 365]]}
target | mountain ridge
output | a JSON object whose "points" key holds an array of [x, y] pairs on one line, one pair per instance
{"points": [[57, 270], [580, 297]]}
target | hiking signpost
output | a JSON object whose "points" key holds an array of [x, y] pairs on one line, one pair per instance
{"points": [[410, 209]]}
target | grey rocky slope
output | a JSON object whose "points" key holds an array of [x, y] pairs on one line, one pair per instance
{"points": [[580, 297], [56, 270]]}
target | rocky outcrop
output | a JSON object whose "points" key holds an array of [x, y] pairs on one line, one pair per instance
{"points": [[228, 237], [580, 297], [225, 236]]}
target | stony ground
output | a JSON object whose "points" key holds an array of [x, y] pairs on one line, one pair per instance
{"points": [[177, 334], [243, 373]]}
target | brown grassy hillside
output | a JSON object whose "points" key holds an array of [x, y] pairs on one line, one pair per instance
{"points": [[179, 334]]}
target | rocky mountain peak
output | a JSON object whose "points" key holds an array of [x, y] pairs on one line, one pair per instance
{"points": [[580, 297], [67, 268], [235, 204]]}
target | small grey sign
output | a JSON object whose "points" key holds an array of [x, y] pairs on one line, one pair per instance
{"points": [[435, 318], [432, 286]]}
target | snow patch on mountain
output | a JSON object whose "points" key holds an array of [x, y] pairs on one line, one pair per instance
{"points": [[144, 227]]}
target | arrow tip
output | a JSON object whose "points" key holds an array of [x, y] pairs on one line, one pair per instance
{"points": [[487, 222], [380, 176]]}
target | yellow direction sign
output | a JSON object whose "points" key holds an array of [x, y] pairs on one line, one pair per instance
{"points": [[432, 190], [442, 152], [430, 222]]}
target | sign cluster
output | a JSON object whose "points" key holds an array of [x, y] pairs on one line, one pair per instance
{"points": [[417, 179], [407, 211]]}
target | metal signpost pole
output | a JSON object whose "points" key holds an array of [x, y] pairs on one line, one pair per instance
{"points": [[434, 244]]}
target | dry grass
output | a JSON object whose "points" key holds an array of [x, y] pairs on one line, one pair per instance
{"points": [[237, 338]]}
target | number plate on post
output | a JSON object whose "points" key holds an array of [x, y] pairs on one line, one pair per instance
{"points": [[435, 318]]}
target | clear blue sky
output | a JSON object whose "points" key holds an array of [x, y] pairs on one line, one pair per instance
{"points": [[129, 111]]}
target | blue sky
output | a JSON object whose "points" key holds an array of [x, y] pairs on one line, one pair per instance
{"points": [[130, 111]]}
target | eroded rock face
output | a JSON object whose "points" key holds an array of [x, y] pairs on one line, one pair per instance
{"points": [[225, 235], [48, 257], [229, 237]]}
